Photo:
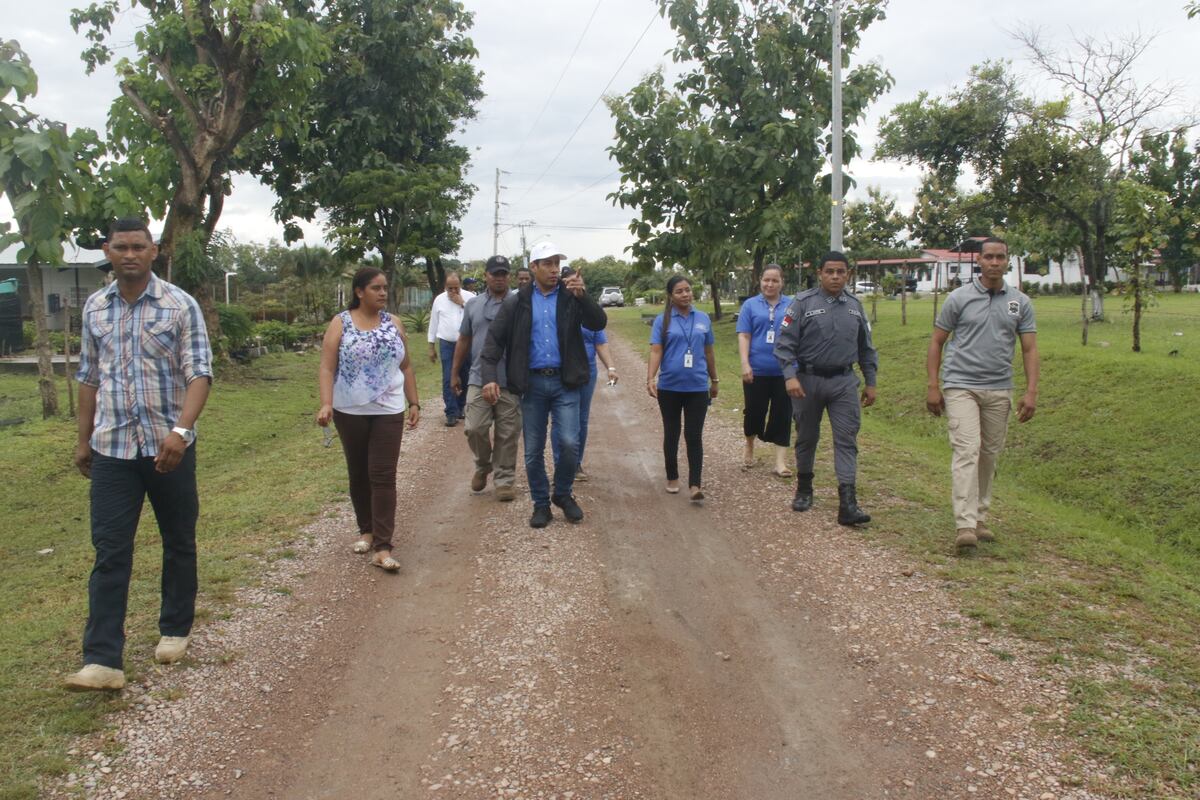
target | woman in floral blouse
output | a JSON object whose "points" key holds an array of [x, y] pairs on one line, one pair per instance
{"points": [[367, 388]]}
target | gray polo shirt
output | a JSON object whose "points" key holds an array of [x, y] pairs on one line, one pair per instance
{"points": [[826, 331], [478, 314], [983, 327]]}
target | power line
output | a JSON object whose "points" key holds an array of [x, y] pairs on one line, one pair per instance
{"points": [[576, 227], [600, 97], [561, 75], [593, 185]]}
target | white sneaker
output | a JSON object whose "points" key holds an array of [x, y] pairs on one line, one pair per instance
{"points": [[95, 677], [170, 649]]}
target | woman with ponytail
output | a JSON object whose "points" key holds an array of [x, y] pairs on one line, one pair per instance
{"points": [[367, 389], [682, 376]]}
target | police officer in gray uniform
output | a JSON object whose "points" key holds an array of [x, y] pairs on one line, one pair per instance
{"points": [[824, 331]]}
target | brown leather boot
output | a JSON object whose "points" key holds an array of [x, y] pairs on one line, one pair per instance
{"points": [[966, 539]]}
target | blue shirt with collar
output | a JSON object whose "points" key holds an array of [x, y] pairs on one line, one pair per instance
{"points": [[543, 338], [592, 338], [687, 332], [756, 318]]}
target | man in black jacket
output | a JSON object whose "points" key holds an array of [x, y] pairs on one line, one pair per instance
{"points": [[537, 333]]}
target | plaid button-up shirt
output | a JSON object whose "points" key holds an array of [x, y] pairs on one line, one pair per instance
{"points": [[140, 358]]}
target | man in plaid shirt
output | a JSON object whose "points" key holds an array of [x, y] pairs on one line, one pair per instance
{"points": [[145, 369]]}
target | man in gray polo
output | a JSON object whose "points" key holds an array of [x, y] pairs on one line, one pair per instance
{"points": [[985, 317], [482, 417]]}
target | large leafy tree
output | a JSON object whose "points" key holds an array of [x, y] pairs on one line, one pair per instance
{"points": [[943, 216], [723, 162], [1062, 158], [45, 175], [873, 224], [378, 157], [205, 75], [1165, 163]]}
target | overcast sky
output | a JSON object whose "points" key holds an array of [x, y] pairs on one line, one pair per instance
{"points": [[525, 45]]}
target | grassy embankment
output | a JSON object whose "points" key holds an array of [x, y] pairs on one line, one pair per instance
{"points": [[262, 473], [1096, 512]]}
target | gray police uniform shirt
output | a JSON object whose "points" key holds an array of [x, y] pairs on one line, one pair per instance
{"points": [[478, 314], [983, 327], [826, 331]]}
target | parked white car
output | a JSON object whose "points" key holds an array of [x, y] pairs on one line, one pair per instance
{"points": [[865, 287], [612, 296]]}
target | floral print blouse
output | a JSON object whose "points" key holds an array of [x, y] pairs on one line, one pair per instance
{"points": [[368, 379]]}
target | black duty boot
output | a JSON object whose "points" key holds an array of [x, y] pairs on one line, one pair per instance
{"points": [[803, 499], [848, 511]]}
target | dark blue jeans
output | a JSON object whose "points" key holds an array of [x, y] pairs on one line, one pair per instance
{"points": [[456, 404], [585, 410], [546, 400], [119, 489]]}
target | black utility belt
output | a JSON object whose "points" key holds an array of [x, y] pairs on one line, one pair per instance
{"points": [[824, 372], [546, 371]]}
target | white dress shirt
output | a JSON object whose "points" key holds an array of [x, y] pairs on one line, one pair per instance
{"points": [[445, 318]]}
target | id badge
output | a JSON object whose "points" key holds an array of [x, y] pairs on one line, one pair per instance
{"points": [[687, 360], [771, 336]]}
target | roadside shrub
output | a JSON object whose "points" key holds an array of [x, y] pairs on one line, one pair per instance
{"points": [[236, 325]]}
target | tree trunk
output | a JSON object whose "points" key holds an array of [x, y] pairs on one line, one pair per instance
{"points": [[37, 302], [716, 296], [387, 263], [67, 364], [184, 219], [756, 273], [903, 296], [1137, 309]]}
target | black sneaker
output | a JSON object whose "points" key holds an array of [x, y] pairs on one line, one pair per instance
{"points": [[541, 517], [570, 508]]}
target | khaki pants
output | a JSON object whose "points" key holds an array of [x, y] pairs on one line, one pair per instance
{"points": [[978, 422], [498, 456]]}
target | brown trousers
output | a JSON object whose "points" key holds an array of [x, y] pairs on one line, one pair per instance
{"points": [[371, 443]]}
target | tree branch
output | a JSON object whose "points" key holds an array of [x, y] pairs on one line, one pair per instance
{"points": [[189, 107], [161, 123]]}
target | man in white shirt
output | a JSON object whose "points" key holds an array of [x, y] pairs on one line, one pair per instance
{"points": [[445, 319]]}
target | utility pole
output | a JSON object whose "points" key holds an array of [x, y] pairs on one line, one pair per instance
{"points": [[835, 214], [496, 216]]}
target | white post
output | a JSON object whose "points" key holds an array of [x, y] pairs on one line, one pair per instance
{"points": [[227, 274], [835, 218]]}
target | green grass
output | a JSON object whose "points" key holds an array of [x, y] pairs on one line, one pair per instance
{"points": [[262, 474], [1096, 510]]}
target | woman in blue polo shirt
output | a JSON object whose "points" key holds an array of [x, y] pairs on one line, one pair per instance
{"points": [[682, 376], [767, 410]]}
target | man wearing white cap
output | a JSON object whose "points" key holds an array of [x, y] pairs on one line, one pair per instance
{"points": [[537, 334]]}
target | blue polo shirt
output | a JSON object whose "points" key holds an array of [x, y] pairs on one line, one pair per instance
{"points": [[688, 333], [543, 338], [757, 318], [592, 338]]}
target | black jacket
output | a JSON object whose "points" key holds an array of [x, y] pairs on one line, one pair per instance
{"points": [[508, 338]]}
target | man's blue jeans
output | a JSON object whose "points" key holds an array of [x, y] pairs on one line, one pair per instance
{"points": [[456, 404], [547, 400], [119, 489], [585, 411]]}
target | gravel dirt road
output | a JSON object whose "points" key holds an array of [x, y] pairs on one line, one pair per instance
{"points": [[658, 649]]}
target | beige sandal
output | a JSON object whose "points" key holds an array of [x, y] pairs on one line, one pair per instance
{"points": [[387, 563], [363, 544]]}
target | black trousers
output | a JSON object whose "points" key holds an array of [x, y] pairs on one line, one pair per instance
{"points": [[119, 489], [767, 411], [694, 407]]}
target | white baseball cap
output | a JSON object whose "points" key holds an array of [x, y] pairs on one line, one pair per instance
{"points": [[545, 250]]}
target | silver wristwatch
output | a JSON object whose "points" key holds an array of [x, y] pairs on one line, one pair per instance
{"points": [[186, 434]]}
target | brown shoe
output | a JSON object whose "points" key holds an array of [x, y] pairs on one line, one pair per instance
{"points": [[983, 533], [505, 494], [966, 539], [479, 480], [95, 678]]}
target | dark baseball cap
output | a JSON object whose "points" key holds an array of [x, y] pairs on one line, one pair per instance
{"points": [[497, 264]]}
